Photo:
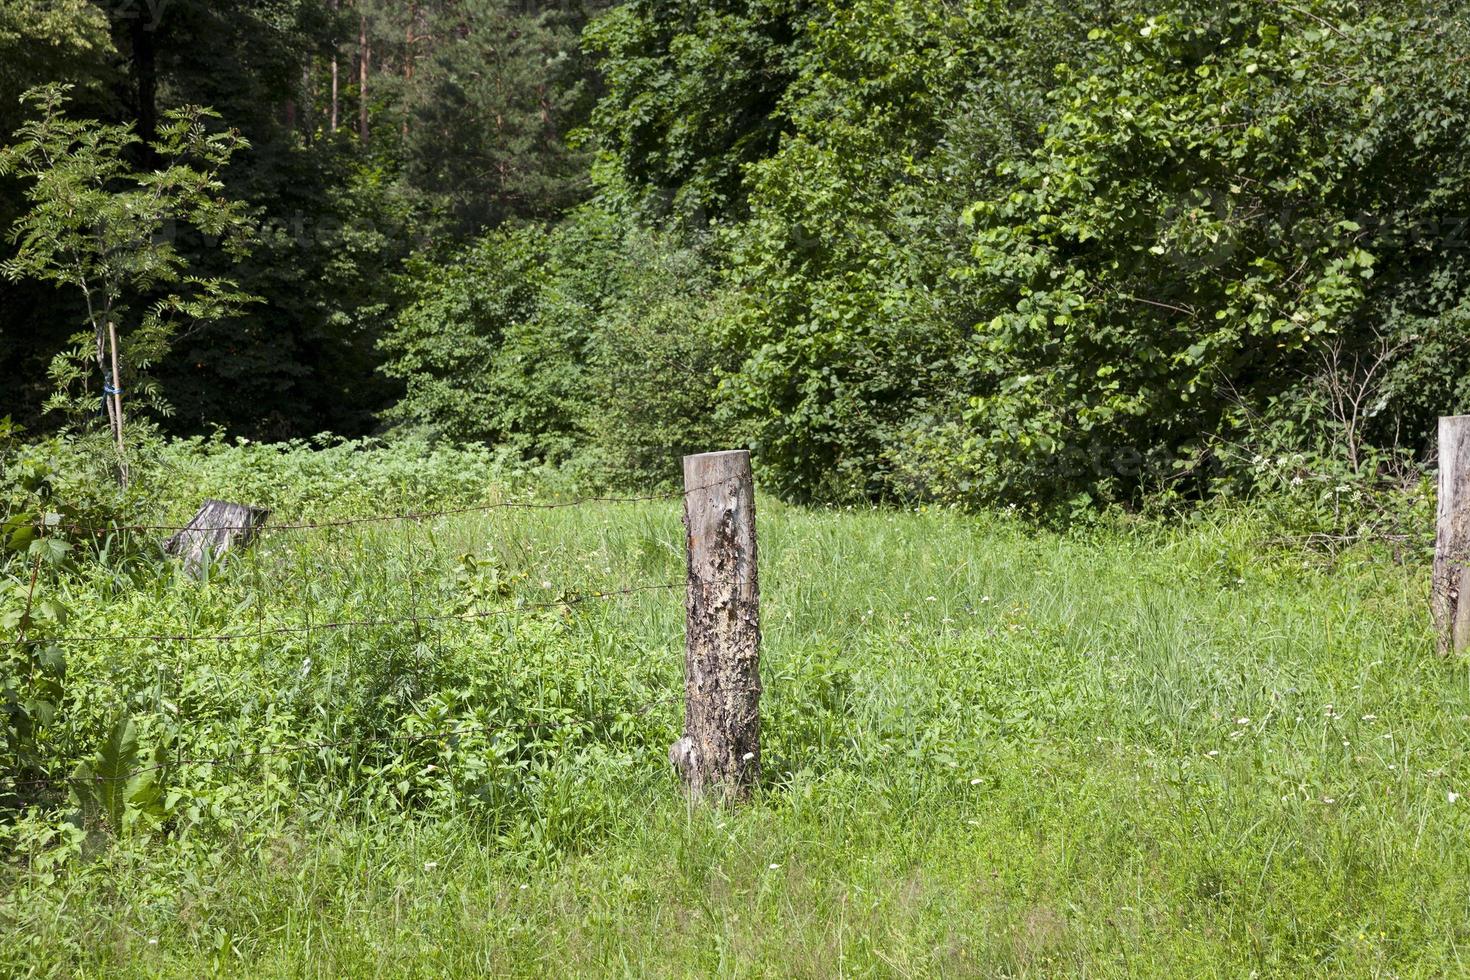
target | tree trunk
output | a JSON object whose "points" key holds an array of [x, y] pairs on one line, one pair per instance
{"points": [[145, 71], [364, 60], [308, 98], [719, 755], [408, 43], [123, 475], [332, 112]]}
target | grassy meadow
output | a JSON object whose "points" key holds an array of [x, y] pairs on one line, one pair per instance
{"points": [[989, 750]]}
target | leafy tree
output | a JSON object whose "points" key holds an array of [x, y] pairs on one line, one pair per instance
{"points": [[1216, 204], [444, 344], [104, 230], [48, 39], [692, 95], [1178, 231], [495, 88], [589, 340], [41, 41], [847, 319]]}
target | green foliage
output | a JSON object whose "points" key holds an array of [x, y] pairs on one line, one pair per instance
{"points": [[653, 366], [584, 338], [1175, 694], [100, 227], [692, 94], [489, 104], [119, 790], [1189, 238], [44, 40], [1065, 257], [443, 345], [1059, 255], [330, 235], [33, 550], [848, 321], [33, 670], [465, 112], [325, 478]]}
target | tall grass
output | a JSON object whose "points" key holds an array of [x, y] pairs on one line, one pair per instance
{"points": [[990, 750]]}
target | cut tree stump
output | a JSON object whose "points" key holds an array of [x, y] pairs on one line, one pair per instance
{"points": [[1450, 589], [719, 755], [218, 528]]}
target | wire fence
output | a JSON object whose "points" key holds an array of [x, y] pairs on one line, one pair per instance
{"points": [[568, 599], [114, 527], [265, 630]]}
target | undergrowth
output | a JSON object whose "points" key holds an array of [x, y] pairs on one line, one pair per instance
{"points": [[1134, 748]]}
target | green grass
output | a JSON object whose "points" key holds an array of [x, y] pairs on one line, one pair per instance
{"points": [[989, 750]]}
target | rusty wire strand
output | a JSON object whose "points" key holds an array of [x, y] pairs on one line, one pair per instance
{"points": [[413, 516], [569, 599]]}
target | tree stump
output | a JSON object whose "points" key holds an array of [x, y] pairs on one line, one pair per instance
{"points": [[719, 754], [1450, 590], [218, 528]]}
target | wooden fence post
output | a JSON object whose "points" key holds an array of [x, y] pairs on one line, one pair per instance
{"points": [[1450, 594], [719, 755], [217, 528]]}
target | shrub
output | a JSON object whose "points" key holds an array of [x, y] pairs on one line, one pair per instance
{"points": [[587, 339]]}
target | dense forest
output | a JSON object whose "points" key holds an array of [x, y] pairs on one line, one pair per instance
{"points": [[1043, 253]]}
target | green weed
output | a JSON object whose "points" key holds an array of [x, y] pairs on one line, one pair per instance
{"points": [[990, 750]]}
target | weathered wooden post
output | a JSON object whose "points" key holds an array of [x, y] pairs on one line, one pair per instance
{"points": [[218, 527], [1450, 592], [720, 753]]}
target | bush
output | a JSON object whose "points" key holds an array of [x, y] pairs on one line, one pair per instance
{"points": [[585, 340], [1219, 211], [1061, 256]]}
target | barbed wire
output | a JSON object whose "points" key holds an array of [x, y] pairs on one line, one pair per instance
{"points": [[237, 761], [406, 516], [567, 599], [262, 630]]}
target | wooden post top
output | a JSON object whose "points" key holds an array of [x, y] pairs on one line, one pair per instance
{"points": [[712, 457], [702, 470]]}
